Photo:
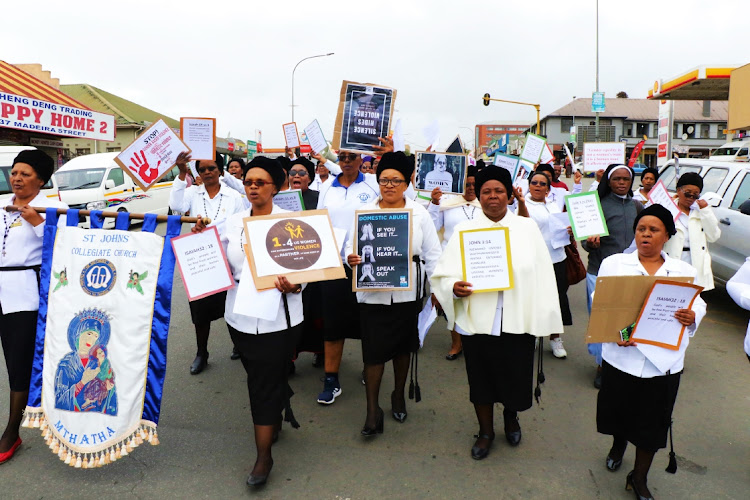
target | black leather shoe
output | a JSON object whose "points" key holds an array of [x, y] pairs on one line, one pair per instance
{"points": [[199, 364], [479, 453], [235, 354], [630, 485], [319, 360], [398, 416], [512, 429], [378, 429], [453, 357], [612, 464], [259, 480]]}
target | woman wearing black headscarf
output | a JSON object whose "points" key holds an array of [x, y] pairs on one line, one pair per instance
{"points": [[649, 176], [619, 209], [636, 399], [20, 260]]}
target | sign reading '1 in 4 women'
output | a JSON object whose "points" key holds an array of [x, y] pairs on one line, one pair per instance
{"points": [[383, 241]]}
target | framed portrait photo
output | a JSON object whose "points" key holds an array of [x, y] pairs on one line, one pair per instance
{"points": [[444, 170]]}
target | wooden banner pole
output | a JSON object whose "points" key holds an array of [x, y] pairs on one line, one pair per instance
{"points": [[131, 216]]}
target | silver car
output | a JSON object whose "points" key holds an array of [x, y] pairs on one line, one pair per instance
{"points": [[731, 181]]}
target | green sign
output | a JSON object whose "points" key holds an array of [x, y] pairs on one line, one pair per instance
{"points": [[252, 148]]}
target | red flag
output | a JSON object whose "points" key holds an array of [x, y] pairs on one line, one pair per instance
{"points": [[636, 152]]}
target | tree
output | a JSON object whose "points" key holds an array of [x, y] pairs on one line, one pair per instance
{"points": [[622, 95]]}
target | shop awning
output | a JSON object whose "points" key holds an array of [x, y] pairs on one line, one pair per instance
{"points": [[704, 83], [18, 82]]}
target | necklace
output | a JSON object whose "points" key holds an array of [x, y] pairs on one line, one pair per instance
{"points": [[218, 210], [8, 225], [473, 209]]}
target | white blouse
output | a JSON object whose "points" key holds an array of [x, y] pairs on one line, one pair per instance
{"points": [[541, 212], [196, 200], [233, 240], [19, 290], [451, 217]]}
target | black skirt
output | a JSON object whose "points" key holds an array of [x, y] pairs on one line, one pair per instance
{"points": [[266, 358], [388, 330], [18, 336], [634, 408], [340, 309], [561, 277], [500, 369], [311, 339], [208, 309]]}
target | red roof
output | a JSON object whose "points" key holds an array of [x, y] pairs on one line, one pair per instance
{"points": [[18, 82]]}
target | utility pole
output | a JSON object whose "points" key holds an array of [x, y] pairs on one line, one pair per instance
{"points": [[597, 68]]}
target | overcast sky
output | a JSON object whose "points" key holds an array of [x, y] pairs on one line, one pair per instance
{"points": [[233, 60]]}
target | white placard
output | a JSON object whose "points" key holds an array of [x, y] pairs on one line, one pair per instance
{"points": [[426, 318], [315, 137], [290, 200], [148, 158], [660, 196], [547, 156], [656, 324], [508, 162], [600, 155], [199, 134], [202, 263], [558, 226], [585, 214], [532, 149], [250, 302], [486, 261], [290, 135]]}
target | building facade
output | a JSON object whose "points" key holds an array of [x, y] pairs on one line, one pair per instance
{"points": [[485, 133]]}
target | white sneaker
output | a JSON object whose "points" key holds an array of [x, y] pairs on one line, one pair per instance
{"points": [[557, 348]]}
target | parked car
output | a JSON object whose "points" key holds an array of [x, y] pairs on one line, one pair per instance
{"points": [[731, 181], [7, 155], [96, 182], [638, 168]]}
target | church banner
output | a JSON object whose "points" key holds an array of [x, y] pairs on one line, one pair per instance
{"points": [[101, 340]]}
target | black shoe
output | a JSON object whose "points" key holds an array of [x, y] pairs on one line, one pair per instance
{"points": [[598, 379], [479, 453], [363, 377], [512, 428], [630, 485], [612, 464], [235, 354], [378, 429], [199, 364], [453, 357], [398, 416], [259, 480], [319, 360]]}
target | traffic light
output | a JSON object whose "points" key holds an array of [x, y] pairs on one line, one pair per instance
{"points": [[486, 99]]}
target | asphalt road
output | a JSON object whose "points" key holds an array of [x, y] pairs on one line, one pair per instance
{"points": [[207, 448]]}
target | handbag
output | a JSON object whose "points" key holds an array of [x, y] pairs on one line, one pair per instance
{"points": [[574, 268]]}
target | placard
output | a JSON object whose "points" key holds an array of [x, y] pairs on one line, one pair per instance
{"points": [[151, 155], [456, 146], [486, 260], [383, 241], [444, 170], [298, 245], [315, 136], [199, 134], [202, 263], [660, 196], [547, 156], [600, 155], [617, 303], [656, 323], [364, 114], [532, 148], [508, 162], [291, 136], [290, 200], [586, 216]]}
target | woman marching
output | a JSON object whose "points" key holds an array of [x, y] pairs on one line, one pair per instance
{"points": [[265, 347], [20, 260], [649, 176], [216, 201], [499, 346], [388, 320], [636, 399], [447, 216]]}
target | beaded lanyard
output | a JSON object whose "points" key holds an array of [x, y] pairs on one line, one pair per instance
{"points": [[7, 227], [205, 209], [473, 209]]}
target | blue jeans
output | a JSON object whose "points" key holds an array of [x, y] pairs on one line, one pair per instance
{"points": [[594, 349]]}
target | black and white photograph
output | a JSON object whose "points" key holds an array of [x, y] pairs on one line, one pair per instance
{"points": [[383, 240], [366, 115], [444, 170]]}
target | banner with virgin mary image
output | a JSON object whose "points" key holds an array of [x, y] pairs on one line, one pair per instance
{"points": [[101, 339]]}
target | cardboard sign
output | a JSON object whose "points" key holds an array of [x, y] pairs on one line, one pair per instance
{"points": [[383, 240], [656, 323], [364, 114], [202, 263], [532, 148], [151, 155], [199, 134], [33, 115], [290, 135], [444, 170], [617, 303], [456, 146], [600, 155]]}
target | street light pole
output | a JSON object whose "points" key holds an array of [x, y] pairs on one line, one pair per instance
{"points": [[295, 69]]}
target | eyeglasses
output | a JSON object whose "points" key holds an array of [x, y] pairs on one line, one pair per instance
{"points": [[210, 168], [348, 156], [470, 184], [259, 182], [393, 182], [538, 183], [690, 196], [297, 173]]}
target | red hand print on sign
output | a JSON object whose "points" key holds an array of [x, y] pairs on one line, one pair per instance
{"points": [[143, 169]]}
